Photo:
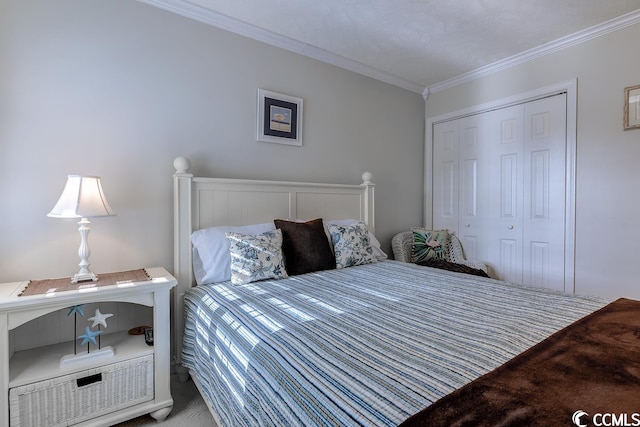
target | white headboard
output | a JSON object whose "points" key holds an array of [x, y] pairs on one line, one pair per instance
{"points": [[209, 202]]}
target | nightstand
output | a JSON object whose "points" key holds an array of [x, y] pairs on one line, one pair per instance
{"points": [[100, 391]]}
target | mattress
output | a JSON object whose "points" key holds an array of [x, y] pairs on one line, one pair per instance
{"points": [[366, 345]]}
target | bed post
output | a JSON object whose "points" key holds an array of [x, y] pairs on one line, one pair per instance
{"points": [[182, 270], [369, 201]]}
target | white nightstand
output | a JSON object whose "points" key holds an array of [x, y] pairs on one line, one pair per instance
{"points": [[132, 382]]}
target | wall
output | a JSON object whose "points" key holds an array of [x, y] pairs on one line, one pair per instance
{"points": [[607, 172], [118, 89]]}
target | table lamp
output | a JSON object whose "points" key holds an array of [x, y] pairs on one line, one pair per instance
{"points": [[83, 198]]}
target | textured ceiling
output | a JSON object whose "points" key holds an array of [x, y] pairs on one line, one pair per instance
{"points": [[424, 42]]}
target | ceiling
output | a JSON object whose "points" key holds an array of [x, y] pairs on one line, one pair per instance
{"points": [[416, 44]]}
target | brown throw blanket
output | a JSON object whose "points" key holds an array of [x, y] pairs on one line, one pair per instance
{"points": [[451, 266], [592, 365]]}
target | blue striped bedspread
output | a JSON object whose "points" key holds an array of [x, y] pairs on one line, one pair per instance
{"points": [[368, 345]]}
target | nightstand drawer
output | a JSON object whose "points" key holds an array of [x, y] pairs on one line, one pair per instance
{"points": [[83, 395]]}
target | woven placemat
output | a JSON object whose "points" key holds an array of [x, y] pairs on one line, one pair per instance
{"points": [[36, 287]]}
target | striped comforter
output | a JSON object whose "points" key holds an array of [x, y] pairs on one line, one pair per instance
{"points": [[368, 345]]}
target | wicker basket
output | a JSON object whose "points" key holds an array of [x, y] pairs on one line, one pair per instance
{"points": [[82, 395]]}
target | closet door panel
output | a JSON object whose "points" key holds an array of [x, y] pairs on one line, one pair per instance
{"points": [[505, 177], [544, 192], [538, 264], [508, 170], [510, 260], [445, 175], [473, 185]]}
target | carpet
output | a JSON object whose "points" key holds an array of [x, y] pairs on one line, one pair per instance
{"points": [[189, 409]]}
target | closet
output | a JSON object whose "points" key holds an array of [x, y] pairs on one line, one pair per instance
{"points": [[499, 183]]}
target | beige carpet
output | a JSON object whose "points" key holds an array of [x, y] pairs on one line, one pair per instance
{"points": [[188, 409]]}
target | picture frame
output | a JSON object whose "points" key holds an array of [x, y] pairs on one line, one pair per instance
{"points": [[632, 107], [279, 118]]}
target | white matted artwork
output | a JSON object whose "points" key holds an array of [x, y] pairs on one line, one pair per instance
{"points": [[279, 118]]}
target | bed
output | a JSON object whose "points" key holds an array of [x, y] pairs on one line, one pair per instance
{"points": [[373, 343]]}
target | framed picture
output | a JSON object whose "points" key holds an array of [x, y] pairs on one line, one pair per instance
{"points": [[279, 118], [632, 107]]}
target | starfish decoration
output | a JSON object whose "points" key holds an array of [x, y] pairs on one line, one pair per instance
{"points": [[89, 335], [76, 309], [99, 319]]}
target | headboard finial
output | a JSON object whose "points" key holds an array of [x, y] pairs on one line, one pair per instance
{"points": [[367, 178], [181, 164]]}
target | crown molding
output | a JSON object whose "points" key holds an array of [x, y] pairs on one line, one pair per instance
{"points": [[207, 16], [204, 15], [612, 25]]}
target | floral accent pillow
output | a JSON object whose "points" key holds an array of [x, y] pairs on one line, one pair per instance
{"points": [[351, 245], [256, 257], [428, 244]]}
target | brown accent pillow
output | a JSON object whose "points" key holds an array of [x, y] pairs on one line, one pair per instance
{"points": [[305, 246]]}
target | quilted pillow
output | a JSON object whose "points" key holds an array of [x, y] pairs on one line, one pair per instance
{"points": [[428, 244], [305, 246], [351, 244], [256, 257]]}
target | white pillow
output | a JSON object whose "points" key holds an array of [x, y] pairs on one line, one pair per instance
{"points": [[375, 244], [211, 258]]}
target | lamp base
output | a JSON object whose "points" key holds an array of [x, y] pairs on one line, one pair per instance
{"points": [[84, 274], [84, 277]]}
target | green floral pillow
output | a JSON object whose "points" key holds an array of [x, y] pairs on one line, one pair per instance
{"points": [[428, 244]]}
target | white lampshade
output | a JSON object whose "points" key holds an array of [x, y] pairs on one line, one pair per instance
{"points": [[82, 197]]}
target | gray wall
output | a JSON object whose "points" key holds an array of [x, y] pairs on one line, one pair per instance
{"points": [[607, 172], [118, 89]]}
